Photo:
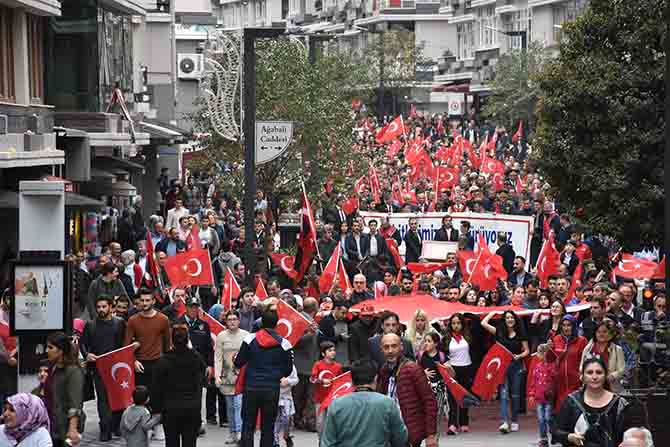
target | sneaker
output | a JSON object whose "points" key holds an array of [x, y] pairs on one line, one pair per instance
{"points": [[211, 421], [202, 431], [514, 427], [159, 433], [504, 428], [465, 429], [452, 430], [543, 443], [289, 441], [232, 439]]}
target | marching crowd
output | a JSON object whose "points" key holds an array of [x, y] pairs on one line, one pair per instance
{"points": [[571, 368]]}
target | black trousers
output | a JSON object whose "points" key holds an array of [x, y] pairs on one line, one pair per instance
{"points": [[464, 376], [181, 427], [253, 401], [213, 397]]}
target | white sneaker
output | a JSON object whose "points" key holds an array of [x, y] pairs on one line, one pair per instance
{"points": [[514, 427], [159, 433], [504, 428]]}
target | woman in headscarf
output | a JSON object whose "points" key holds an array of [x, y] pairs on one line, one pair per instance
{"points": [[566, 348], [64, 389], [26, 422]]}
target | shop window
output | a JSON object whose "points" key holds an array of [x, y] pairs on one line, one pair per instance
{"points": [[7, 84]]}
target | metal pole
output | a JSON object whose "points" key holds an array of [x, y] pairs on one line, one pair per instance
{"points": [[249, 129], [666, 158]]}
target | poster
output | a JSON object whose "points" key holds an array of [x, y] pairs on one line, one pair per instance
{"points": [[519, 229], [38, 299]]}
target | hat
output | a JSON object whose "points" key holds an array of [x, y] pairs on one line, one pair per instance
{"points": [[474, 188], [326, 299], [195, 301], [367, 311]]}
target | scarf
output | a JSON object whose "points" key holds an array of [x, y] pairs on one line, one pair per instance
{"points": [[457, 337], [31, 414]]}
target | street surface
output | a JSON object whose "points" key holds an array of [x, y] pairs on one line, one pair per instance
{"points": [[484, 425]]}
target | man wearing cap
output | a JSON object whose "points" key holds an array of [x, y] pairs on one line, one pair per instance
{"points": [[200, 336], [361, 330]]}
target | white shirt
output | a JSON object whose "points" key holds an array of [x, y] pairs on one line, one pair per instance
{"points": [[373, 246], [459, 352], [38, 438]]}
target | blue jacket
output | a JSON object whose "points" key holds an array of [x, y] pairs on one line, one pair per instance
{"points": [[267, 357]]}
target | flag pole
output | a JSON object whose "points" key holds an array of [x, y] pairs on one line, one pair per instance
{"points": [[479, 255], [311, 222]]}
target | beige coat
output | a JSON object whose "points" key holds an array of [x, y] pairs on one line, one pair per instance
{"points": [[616, 365]]}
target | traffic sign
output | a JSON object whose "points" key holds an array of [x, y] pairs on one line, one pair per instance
{"points": [[272, 139]]}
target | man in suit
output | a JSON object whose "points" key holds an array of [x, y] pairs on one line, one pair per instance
{"points": [[506, 252], [412, 242], [378, 255], [447, 233], [519, 276], [465, 232], [386, 206], [357, 246], [335, 216], [175, 214]]}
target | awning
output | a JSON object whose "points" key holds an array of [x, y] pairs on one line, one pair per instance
{"points": [[162, 131], [10, 200], [117, 162]]}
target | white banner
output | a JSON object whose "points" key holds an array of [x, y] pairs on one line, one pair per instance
{"points": [[518, 228]]}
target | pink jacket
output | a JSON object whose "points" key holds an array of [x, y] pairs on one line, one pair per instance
{"points": [[543, 379]]}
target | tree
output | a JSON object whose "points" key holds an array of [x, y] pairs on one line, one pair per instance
{"points": [[599, 139], [317, 98], [514, 95]]}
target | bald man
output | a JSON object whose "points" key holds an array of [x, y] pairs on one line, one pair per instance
{"points": [[404, 381]]}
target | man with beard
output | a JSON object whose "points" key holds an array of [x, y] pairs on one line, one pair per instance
{"points": [[102, 335], [151, 329], [519, 276], [407, 285], [390, 324], [447, 232]]}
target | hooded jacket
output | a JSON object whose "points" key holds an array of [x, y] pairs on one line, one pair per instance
{"points": [[267, 357], [177, 381], [135, 423]]}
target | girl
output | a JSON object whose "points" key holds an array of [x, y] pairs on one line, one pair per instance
{"points": [[463, 355], [286, 409], [418, 329], [428, 358], [541, 393], [547, 329], [509, 333]]}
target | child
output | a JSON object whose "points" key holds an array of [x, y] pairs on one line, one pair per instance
{"points": [[286, 409], [428, 359], [323, 373], [541, 392], [136, 420]]}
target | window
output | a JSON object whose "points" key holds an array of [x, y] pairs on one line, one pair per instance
{"points": [[566, 12], [517, 21], [35, 25], [488, 37], [466, 40], [7, 87]]}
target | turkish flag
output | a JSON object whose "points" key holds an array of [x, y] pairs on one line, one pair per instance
{"points": [[375, 186], [393, 149], [492, 371], [190, 268], [392, 245], [425, 267], [548, 261], [414, 152], [329, 274], [292, 324], [518, 134], [9, 342], [464, 398], [343, 278], [391, 131], [307, 241], [152, 265], [659, 273], [635, 268], [447, 177], [261, 293], [492, 166], [456, 158], [285, 262], [341, 385], [493, 142], [443, 153], [466, 262], [350, 205], [117, 370], [193, 238], [487, 268], [576, 282], [215, 326], [475, 160], [231, 289]]}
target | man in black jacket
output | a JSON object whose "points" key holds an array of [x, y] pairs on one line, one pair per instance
{"points": [[506, 252], [361, 330], [101, 335], [447, 233], [412, 242], [268, 358]]}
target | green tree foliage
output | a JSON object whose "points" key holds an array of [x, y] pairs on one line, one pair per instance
{"points": [[317, 98], [600, 137], [514, 94]]}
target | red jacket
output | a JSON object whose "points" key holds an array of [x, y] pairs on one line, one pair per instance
{"points": [[417, 401], [569, 360]]}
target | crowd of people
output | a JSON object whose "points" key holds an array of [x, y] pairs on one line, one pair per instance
{"points": [[570, 368]]}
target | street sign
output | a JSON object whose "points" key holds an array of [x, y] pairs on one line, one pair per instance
{"points": [[272, 139]]}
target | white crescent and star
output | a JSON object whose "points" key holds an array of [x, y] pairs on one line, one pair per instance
{"points": [[322, 375], [393, 127], [468, 268], [342, 387], [289, 326], [487, 269], [284, 264], [116, 367], [198, 269], [496, 360]]}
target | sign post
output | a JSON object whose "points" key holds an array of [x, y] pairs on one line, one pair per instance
{"points": [[272, 139]]}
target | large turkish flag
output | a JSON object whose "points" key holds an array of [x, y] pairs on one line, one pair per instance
{"points": [[292, 324], [635, 268], [492, 371], [117, 370], [190, 268]]}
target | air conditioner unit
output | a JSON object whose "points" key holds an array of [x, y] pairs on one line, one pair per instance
{"points": [[190, 65]]}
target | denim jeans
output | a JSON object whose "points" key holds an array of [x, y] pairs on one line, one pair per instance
{"points": [[511, 391], [544, 419], [234, 410]]}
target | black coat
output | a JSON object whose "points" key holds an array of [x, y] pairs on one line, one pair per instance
{"points": [[359, 348], [412, 247], [332, 216], [447, 235], [178, 378], [201, 338], [352, 249], [506, 252]]}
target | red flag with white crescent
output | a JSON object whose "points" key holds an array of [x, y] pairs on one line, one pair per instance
{"points": [[230, 290], [492, 166], [291, 324], [152, 264], [215, 326], [285, 262], [329, 274], [391, 131], [635, 268], [418, 268], [307, 241], [261, 292], [548, 261], [117, 371], [464, 398], [488, 267], [343, 277], [340, 386], [190, 268], [466, 262], [492, 371], [392, 245]]}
